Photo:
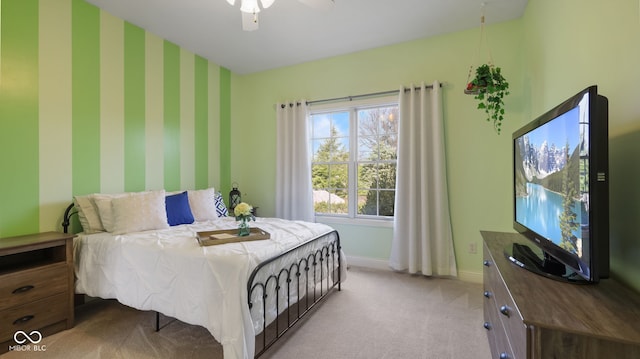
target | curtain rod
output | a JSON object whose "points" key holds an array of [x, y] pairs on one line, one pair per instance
{"points": [[354, 97]]}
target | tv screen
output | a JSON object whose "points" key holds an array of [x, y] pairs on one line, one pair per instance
{"points": [[560, 190]]}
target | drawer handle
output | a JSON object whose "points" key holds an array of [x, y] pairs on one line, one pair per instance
{"points": [[22, 289], [487, 294], [504, 310], [24, 319], [486, 263], [504, 355], [487, 325]]}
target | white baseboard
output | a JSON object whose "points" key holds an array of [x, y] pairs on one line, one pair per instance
{"points": [[473, 277], [368, 262], [373, 263]]}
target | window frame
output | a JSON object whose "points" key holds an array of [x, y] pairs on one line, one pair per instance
{"points": [[352, 106]]}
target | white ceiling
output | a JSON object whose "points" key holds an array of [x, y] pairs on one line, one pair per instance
{"points": [[292, 33]]}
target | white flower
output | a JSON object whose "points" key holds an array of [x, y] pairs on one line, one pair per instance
{"points": [[243, 209]]}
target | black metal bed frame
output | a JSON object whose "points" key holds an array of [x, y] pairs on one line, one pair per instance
{"points": [[308, 273], [315, 274], [66, 219]]}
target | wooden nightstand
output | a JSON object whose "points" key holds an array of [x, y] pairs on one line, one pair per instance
{"points": [[36, 286]]}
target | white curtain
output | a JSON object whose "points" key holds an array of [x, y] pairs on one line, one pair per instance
{"points": [[422, 238], [294, 197]]}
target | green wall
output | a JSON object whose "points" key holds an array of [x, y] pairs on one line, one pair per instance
{"points": [[572, 44], [91, 103], [478, 160], [556, 49]]}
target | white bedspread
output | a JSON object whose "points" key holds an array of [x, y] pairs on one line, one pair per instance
{"points": [[169, 272]]}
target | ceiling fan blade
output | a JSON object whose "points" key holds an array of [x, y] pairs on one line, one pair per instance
{"points": [[319, 4], [249, 21]]}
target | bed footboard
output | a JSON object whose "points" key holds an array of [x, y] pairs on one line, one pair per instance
{"points": [[283, 289]]}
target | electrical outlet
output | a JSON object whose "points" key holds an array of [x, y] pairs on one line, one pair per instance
{"points": [[473, 249]]}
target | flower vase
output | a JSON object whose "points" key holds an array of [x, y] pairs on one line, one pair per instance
{"points": [[243, 228]]}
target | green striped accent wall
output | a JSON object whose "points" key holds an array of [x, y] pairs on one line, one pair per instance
{"points": [[111, 104], [85, 96], [134, 108], [19, 144], [201, 125], [91, 103], [225, 128], [171, 116]]}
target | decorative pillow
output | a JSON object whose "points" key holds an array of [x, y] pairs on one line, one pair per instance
{"points": [[103, 203], [203, 204], [221, 207], [88, 214], [139, 212], [178, 210]]}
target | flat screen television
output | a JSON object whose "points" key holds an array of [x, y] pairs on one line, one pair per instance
{"points": [[561, 190]]}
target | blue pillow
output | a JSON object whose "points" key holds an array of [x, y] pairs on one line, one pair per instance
{"points": [[178, 209], [221, 208]]}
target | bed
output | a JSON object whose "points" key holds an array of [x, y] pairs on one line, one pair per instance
{"points": [[246, 294]]}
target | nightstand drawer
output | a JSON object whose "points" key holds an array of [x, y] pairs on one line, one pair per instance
{"points": [[33, 315], [33, 284]]}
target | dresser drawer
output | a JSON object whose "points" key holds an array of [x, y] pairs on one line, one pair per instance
{"points": [[514, 342], [509, 316], [33, 284], [34, 315], [498, 339]]}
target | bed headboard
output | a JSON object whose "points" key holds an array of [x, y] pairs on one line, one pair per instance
{"points": [[66, 219]]}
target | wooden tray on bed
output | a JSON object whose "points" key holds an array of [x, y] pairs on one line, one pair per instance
{"points": [[211, 238]]}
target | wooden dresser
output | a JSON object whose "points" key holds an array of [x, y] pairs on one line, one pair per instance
{"points": [[530, 316], [36, 286]]}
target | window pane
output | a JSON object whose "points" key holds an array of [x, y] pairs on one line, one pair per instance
{"points": [[321, 126], [386, 203], [367, 174], [319, 176], [367, 148], [378, 203], [330, 149], [329, 202], [369, 205], [368, 122], [388, 124], [377, 175], [368, 136], [338, 176], [387, 175], [339, 149], [315, 147], [340, 122], [387, 152], [339, 202]]}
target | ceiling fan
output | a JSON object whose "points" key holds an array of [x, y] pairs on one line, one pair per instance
{"points": [[250, 9]]}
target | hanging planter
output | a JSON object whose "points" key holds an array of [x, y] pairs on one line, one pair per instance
{"points": [[488, 86]]}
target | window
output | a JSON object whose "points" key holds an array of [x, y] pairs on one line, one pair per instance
{"points": [[353, 168]]}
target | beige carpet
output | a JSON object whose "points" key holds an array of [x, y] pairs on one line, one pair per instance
{"points": [[378, 314]]}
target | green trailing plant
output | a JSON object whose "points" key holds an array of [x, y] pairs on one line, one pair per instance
{"points": [[490, 87]]}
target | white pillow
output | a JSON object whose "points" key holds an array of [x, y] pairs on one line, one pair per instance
{"points": [[103, 203], [139, 212], [203, 204], [88, 213]]}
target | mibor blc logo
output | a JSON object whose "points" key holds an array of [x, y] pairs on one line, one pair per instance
{"points": [[26, 342]]}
